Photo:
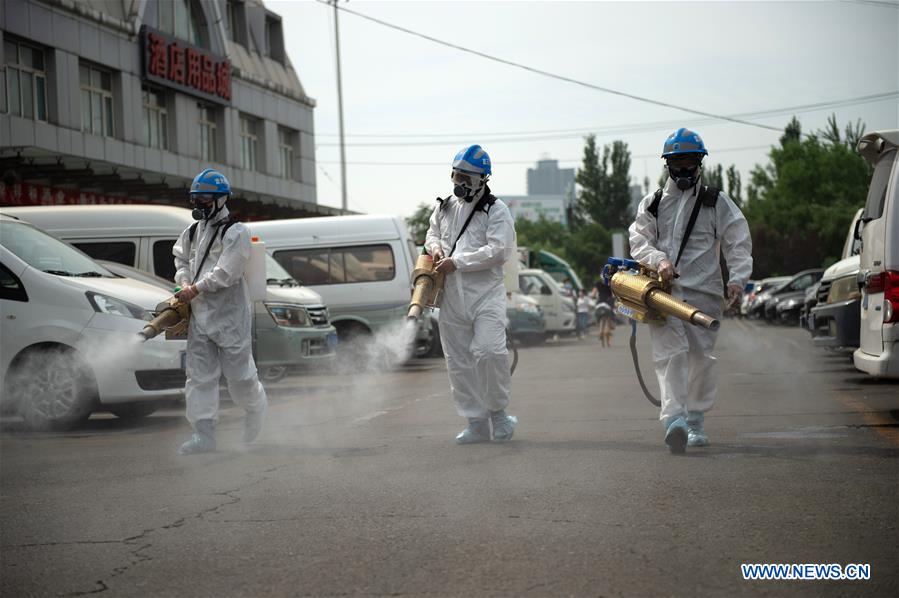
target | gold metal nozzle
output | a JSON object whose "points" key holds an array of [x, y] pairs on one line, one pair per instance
{"points": [[427, 284]]}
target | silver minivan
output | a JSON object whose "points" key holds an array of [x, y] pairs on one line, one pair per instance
{"points": [[291, 326]]}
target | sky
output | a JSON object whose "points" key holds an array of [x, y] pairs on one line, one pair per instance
{"points": [[411, 104]]}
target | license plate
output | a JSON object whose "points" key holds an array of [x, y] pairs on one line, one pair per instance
{"points": [[183, 361], [332, 339]]}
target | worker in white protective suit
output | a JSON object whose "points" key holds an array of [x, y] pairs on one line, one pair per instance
{"points": [[210, 258], [471, 236], [682, 352]]}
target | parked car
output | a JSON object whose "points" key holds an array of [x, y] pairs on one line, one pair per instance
{"points": [[761, 293], [558, 308], [290, 327], [791, 290], [878, 352], [789, 306], [834, 322], [810, 301], [69, 331], [748, 295], [526, 321], [361, 266]]}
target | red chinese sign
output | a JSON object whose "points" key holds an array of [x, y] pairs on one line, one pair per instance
{"points": [[26, 194], [170, 62]]}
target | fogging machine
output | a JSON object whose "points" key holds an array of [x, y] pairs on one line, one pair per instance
{"points": [[173, 318], [642, 296]]}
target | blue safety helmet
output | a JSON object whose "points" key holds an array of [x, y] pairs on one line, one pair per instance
{"points": [[473, 160], [683, 141], [210, 181]]}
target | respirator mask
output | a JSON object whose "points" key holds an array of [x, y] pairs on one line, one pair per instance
{"points": [[684, 171], [206, 205], [466, 186]]}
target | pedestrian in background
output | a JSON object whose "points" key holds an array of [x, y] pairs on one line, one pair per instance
{"points": [[583, 313]]}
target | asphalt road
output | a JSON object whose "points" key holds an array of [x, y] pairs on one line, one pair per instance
{"points": [[355, 487]]}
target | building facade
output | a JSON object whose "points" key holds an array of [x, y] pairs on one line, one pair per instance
{"points": [[548, 179], [124, 101]]}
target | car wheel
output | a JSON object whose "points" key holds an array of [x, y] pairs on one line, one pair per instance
{"points": [[273, 374], [53, 388], [135, 410]]}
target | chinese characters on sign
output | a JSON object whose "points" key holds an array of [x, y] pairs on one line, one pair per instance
{"points": [[26, 194], [173, 63]]}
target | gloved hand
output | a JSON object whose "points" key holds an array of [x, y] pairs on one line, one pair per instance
{"points": [[666, 270], [187, 293], [437, 254], [734, 295], [446, 265]]}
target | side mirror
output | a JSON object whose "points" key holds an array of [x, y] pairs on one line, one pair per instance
{"points": [[544, 290]]}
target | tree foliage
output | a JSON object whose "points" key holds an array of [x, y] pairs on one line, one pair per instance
{"points": [[419, 221], [800, 204], [605, 184]]}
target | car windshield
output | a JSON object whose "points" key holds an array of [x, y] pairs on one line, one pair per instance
{"points": [[39, 250], [276, 274]]}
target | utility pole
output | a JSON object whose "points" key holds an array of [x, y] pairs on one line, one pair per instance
{"points": [[340, 111]]}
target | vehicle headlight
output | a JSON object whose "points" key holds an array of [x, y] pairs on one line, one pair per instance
{"points": [[843, 289], [292, 316], [788, 304], [105, 304]]}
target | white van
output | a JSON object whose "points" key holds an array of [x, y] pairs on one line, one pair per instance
{"points": [[878, 353], [69, 335], [361, 265], [558, 308], [142, 236]]}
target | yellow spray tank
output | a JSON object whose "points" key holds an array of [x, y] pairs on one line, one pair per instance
{"points": [[173, 318], [427, 283]]}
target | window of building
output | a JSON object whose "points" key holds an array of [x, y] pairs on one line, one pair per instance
{"points": [[236, 23], [339, 265], [26, 80], [207, 134], [274, 38], [156, 131], [181, 18], [249, 142], [286, 139], [96, 101]]}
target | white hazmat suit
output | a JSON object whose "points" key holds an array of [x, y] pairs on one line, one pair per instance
{"points": [[473, 306], [682, 352], [220, 336]]}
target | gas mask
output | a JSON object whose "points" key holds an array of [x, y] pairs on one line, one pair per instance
{"points": [[685, 172], [466, 186], [206, 205]]}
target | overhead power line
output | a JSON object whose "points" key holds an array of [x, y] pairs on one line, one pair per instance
{"points": [[544, 135], [553, 75], [503, 162]]}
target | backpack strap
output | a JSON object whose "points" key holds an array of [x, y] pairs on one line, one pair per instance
{"points": [[443, 201], [654, 204], [708, 196]]}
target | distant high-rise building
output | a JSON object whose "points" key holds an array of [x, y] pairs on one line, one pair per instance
{"points": [[549, 179]]}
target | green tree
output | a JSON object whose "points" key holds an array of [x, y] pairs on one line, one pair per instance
{"points": [[605, 184], [800, 203], [419, 222]]}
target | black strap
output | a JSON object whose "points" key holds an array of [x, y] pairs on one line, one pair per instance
{"points": [[193, 229], [654, 206], [483, 204], [707, 196]]}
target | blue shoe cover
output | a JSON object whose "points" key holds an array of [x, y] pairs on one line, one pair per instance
{"points": [[676, 434], [503, 425], [696, 435], [202, 441], [252, 425], [478, 430]]}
